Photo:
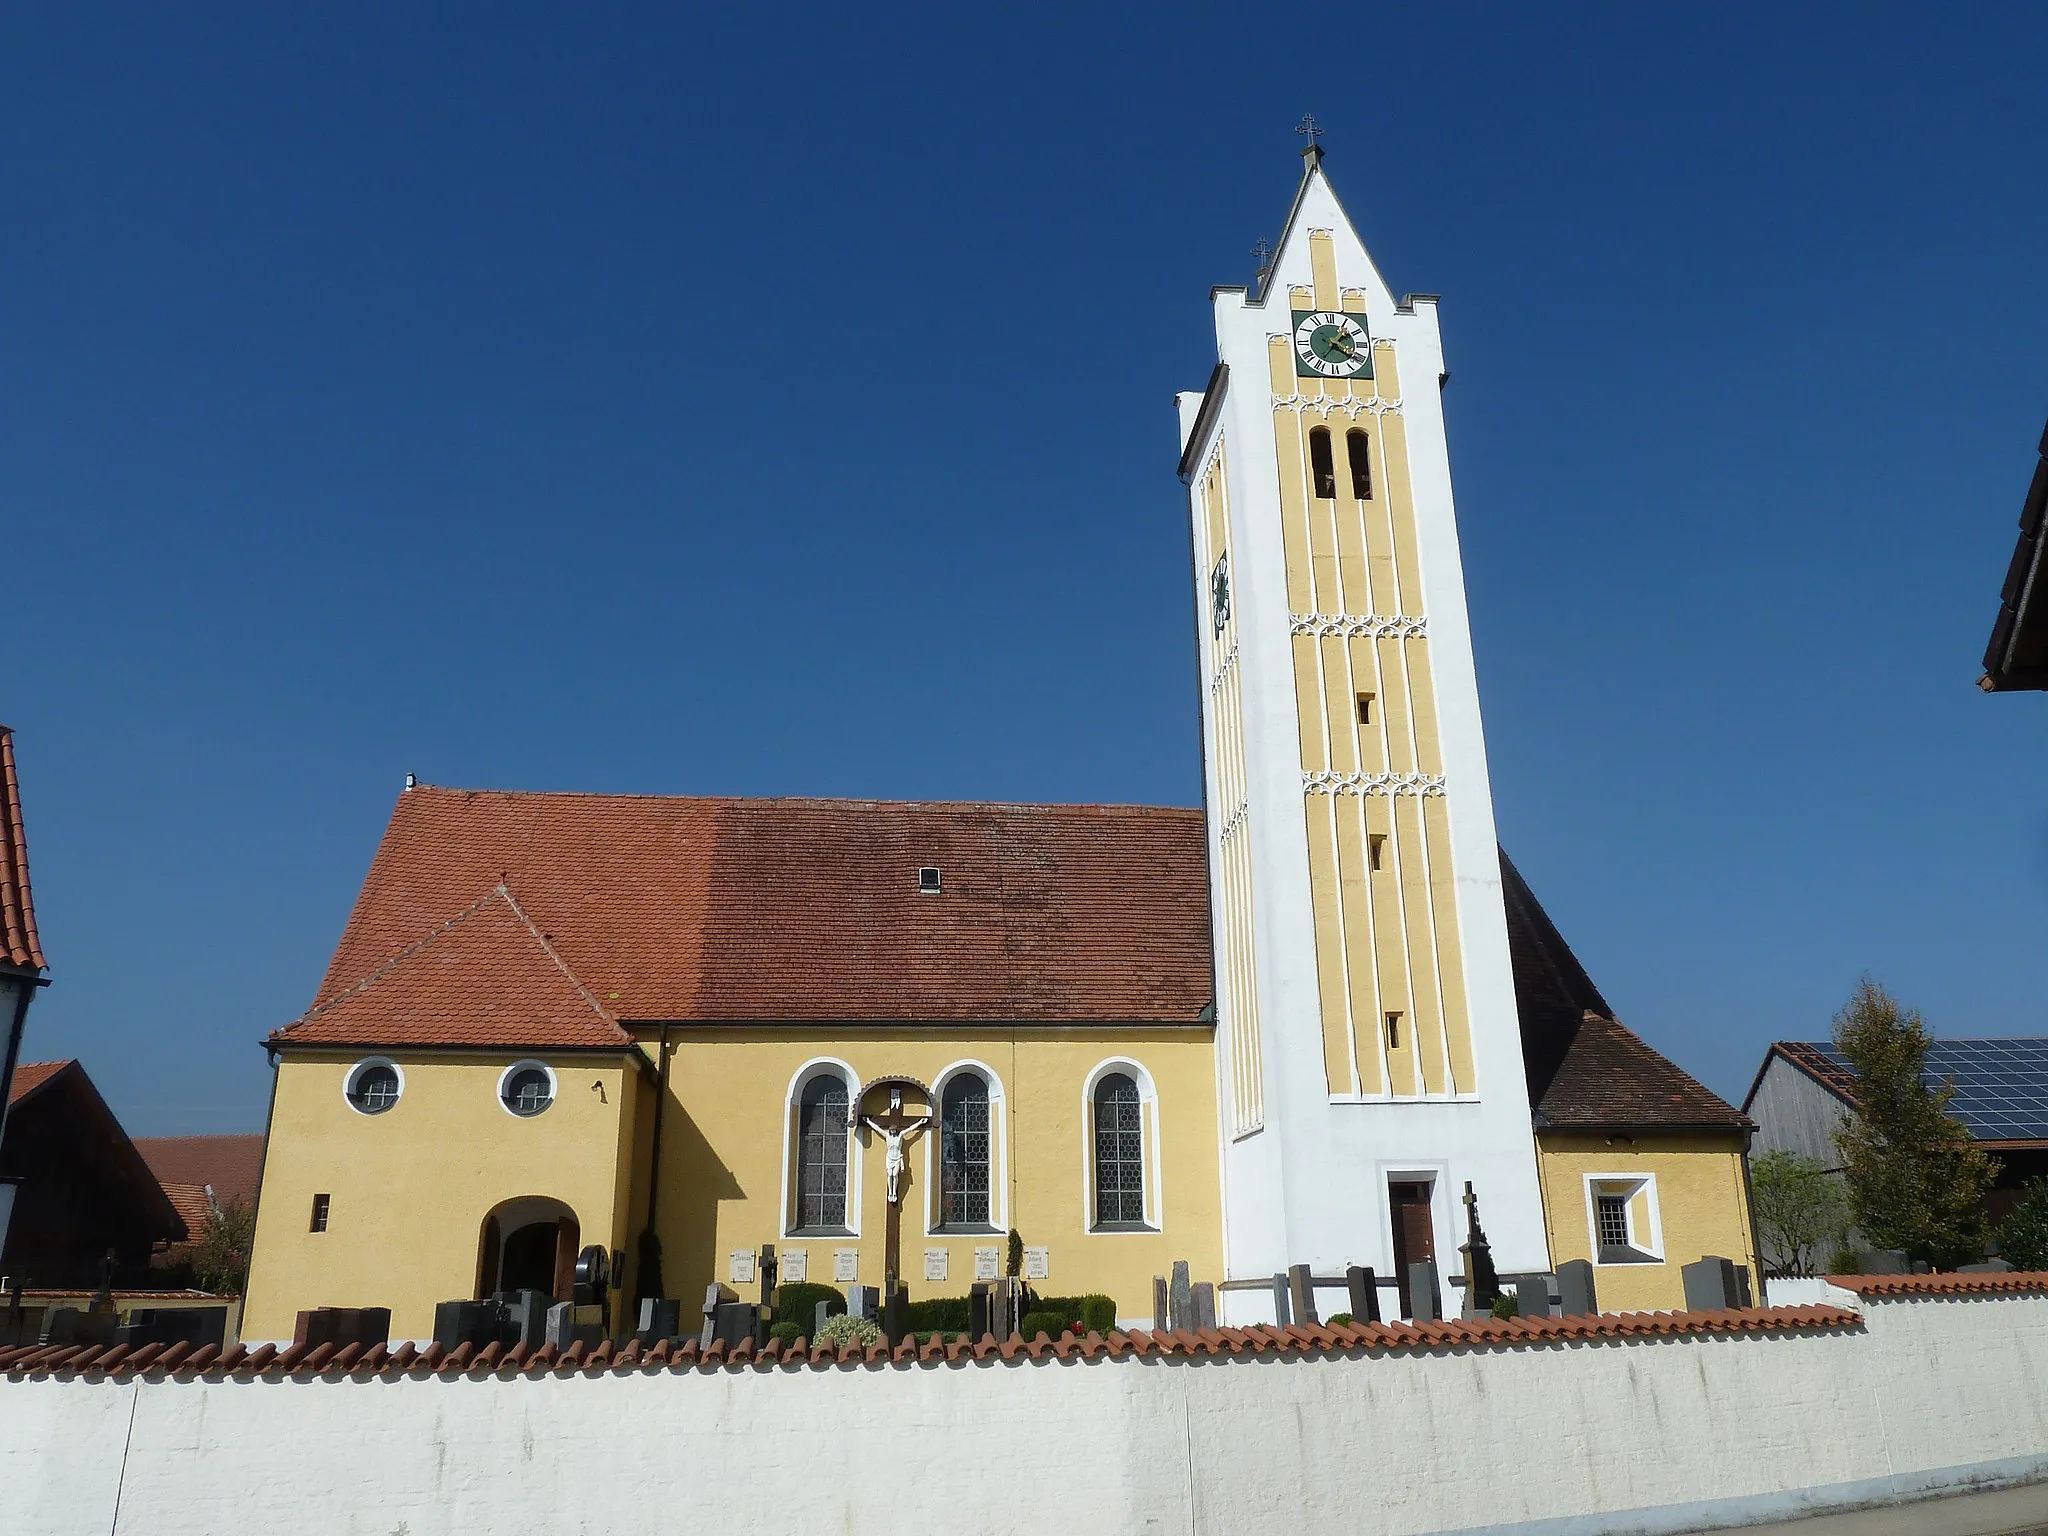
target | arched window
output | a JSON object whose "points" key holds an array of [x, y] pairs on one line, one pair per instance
{"points": [[1119, 1152], [821, 1156], [1358, 448], [1319, 462], [965, 1147]]}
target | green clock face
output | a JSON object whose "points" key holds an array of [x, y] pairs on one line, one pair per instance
{"points": [[1219, 593], [1331, 345]]}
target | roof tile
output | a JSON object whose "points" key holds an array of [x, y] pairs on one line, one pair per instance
{"points": [[20, 946]]}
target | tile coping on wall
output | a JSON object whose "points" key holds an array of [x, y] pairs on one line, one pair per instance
{"points": [[1953, 1283], [121, 1361]]}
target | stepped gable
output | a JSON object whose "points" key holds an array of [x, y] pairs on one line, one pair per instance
{"points": [[1586, 1070], [683, 908]]}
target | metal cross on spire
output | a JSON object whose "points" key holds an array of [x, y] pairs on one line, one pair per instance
{"points": [[1263, 254], [1311, 127]]}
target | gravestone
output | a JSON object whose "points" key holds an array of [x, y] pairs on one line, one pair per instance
{"points": [[1743, 1295], [1532, 1296], [1988, 1267], [862, 1301], [660, 1318], [715, 1296], [569, 1324], [1180, 1301], [526, 1312], [60, 1326], [1301, 1295], [1710, 1284], [1282, 1313], [341, 1325], [1575, 1294], [1362, 1292], [896, 1314], [824, 1309], [1162, 1309], [468, 1322], [1883, 1261], [1205, 1305], [733, 1322], [980, 1309], [1425, 1294]]}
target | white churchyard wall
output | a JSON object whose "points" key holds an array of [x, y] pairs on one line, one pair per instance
{"points": [[1685, 1431]]}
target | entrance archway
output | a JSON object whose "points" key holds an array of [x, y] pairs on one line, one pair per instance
{"points": [[528, 1243]]}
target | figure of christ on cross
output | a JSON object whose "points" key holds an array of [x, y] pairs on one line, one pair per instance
{"points": [[896, 1130]]}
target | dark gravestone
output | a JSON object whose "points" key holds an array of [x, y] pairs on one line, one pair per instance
{"points": [[1532, 1297], [1205, 1304], [1362, 1291], [980, 1309], [526, 1316], [660, 1318], [60, 1326], [468, 1322], [1988, 1267], [1575, 1294], [570, 1324], [733, 1322], [1744, 1297], [1180, 1301], [175, 1325], [1424, 1293], [1162, 1311], [896, 1314], [1883, 1261], [1710, 1285], [1282, 1313], [1301, 1295]]}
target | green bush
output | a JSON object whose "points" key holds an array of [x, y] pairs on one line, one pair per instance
{"points": [[789, 1333], [1051, 1324], [1507, 1305], [949, 1314], [1093, 1312], [1343, 1320], [843, 1330], [798, 1303], [2023, 1235]]}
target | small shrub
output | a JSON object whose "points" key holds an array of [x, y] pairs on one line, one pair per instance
{"points": [[950, 1314], [798, 1302], [1098, 1314], [1343, 1320], [1507, 1305], [1051, 1324], [2023, 1235], [1014, 1267], [789, 1333], [849, 1330]]}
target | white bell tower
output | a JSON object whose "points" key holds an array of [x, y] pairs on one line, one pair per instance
{"points": [[1369, 1055]]}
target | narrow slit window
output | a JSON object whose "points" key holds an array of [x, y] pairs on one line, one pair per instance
{"points": [[319, 1223], [1365, 709], [1322, 465], [1358, 448], [1393, 1031], [1376, 856]]}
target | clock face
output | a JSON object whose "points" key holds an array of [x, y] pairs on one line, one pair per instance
{"points": [[1331, 345], [1219, 593]]}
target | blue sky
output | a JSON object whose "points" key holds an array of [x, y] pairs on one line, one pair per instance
{"points": [[414, 389]]}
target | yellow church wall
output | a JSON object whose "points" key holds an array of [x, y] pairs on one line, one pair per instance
{"points": [[728, 1134], [408, 1189], [1697, 1202]]}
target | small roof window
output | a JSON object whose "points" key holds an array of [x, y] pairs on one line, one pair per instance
{"points": [[928, 880]]}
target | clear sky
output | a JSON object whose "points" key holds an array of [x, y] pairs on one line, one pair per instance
{"points": [[746, 401]]}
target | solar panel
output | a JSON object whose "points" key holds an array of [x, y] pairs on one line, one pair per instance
{"points": [[2001, 1084]]}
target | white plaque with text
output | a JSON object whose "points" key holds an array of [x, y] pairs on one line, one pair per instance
{"points": [[742, 1272], [988, 1263], [1036, 1263], [935, 1263], [845, 1264], [794, 1265]]}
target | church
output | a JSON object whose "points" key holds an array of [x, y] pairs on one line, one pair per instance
{"points": [[884, 1039]]}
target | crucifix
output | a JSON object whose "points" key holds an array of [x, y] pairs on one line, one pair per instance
{"points": [[896, 1129]]}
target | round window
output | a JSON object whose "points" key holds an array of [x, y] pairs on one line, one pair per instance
{"points": [[373, 1087], [528, 1088]]}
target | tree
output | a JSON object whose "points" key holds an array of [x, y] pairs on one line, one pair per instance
{"points": [[220, 1252], [2023, 1235], [1916, 1179], [1801, 1210]]}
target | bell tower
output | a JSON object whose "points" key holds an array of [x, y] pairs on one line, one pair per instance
{"points": [[1369, 1054]]}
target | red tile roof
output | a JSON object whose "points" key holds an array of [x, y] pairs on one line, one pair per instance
{"points": [[1977, 1282], [681, 908], [1290, 1343], [231, 1164], [1809, 1057], [19, 945], [31, 1075]]}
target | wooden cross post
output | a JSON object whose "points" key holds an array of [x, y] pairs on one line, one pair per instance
{"points": [[896, 1129]]}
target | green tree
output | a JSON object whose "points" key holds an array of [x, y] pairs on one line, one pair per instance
{"points": [[1801, 1210], [1916, 1178], [220, 1250], [2023, 1235]]}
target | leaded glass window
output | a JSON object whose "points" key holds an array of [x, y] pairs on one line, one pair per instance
{"points": [[821, 1155], [1119, 1153], [964, 1153]]}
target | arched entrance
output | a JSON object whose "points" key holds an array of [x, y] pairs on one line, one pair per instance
{"points": [[528, 1244]]}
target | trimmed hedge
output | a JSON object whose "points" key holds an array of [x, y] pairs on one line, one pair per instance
{"points": [[789, 1333], [798, 1303], [940, 1314], [1095, 1313], [1051, 1324]]}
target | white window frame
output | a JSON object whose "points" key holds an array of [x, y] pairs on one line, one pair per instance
{"points": [[554, 1087], [348, 1083], [792, 1130], [1650, 1242], [998, 1152], [1148, 1111]]}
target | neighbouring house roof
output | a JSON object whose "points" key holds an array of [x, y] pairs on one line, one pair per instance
{"points": [[188, 1166], [19, 945], [1588, 1071], [2017, 656], [31, 1075], [2001, 1083], [55, 1110], [630, 907]]}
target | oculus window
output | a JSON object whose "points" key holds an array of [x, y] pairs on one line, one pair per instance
{"points": [[373, 1086], [527, 1089]]}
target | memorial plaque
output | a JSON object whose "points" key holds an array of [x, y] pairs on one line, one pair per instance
{"points": [[1037, 1263], [795, 1265], [845, 1265], [935, 1263], [742, 1266], [988, 1263]]}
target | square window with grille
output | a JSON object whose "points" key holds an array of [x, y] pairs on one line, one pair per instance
{"points": [[1612, 1214]]}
